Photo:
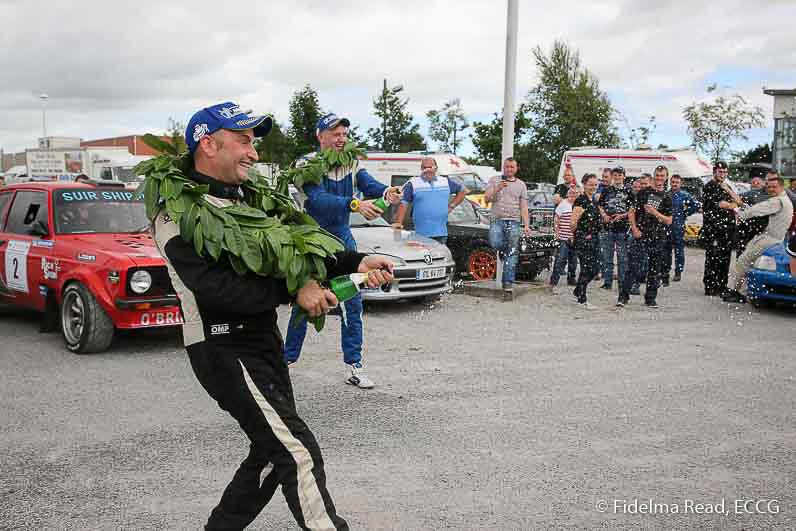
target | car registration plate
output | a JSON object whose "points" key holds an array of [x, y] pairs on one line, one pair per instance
{"points": [[432, 272]]}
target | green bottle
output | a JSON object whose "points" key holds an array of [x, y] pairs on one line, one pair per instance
{"points": [[346, 287], [381, 203]]}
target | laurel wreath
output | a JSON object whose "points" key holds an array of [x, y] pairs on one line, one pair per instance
{"points": [[264, 233]]}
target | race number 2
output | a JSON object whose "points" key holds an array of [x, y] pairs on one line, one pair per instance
{"points": [[17, 265]]}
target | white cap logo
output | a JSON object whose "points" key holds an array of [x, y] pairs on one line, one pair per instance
{"points": [[199, 131]]}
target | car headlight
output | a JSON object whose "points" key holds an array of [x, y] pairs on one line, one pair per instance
{"points": [[766, 263], [140, 281], [394, 259]]}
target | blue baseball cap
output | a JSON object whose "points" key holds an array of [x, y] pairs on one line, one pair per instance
{"points": [[330, 121], [227, 115]]}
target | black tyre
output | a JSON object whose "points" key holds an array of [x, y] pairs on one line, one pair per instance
{"points": [[761, 303], [85, 326]]}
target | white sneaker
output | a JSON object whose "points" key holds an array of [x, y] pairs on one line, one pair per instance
{"points": [[587, 306], [358, 377]]}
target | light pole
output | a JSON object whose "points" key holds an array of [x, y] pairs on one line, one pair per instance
{"points": [[43, 98], [509, 90], [395, 90]]}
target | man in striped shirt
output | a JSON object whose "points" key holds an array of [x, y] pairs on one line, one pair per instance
{"points": [[563, 233]]}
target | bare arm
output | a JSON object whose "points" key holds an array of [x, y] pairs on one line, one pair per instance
{"points": [[400, 215], [524, 214], [458, 198], [577, 212]]}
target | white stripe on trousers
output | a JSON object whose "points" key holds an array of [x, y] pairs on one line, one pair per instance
{"points": [[310, 500]]}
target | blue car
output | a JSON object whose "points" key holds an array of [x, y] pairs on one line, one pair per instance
{"points": [[770, 280]]}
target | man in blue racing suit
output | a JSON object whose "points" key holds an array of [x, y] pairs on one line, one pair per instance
{"points": [[330, 203]]}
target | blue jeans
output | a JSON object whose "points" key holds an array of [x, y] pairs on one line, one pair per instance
{"points": [[608, 241], [588, 251], [504, 237], [653, 251], [351, 332], [675, 243], [351, 321], [566, 256]]}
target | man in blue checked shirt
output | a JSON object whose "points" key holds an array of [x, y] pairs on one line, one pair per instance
{"points": [[430, 197], [330, 203], [683, 205]]}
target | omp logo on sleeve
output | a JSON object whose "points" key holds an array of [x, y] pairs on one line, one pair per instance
{"points": [[219, 329]]}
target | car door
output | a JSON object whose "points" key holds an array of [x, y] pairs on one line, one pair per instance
{"points": [[27, 253], [5, 202]]}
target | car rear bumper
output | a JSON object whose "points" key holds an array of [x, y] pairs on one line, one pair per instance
{"points": [[771, 285]]}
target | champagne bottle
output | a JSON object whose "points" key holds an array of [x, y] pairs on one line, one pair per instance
{"points": [[346, 287]]}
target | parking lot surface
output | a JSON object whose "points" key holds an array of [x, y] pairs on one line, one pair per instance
{"points": [[533, 414]]}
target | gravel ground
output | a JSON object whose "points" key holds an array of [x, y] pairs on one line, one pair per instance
{"points": [[487, 415]]}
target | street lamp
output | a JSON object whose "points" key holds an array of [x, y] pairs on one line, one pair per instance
{"points": [[395, 90], [43, 98]]}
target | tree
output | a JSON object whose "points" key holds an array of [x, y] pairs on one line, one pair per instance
{"points": [[713, 125], [305, 111], [446, 123], [276, 147], [397, 133], [176, 134], [487, 138], [566, 109], [638, 136], [761, 153]]}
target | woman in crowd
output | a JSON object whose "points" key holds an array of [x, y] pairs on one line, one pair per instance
{"points": [[562, 225], [586, 223]]}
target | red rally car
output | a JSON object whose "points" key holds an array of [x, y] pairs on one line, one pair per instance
{"points": [[82, 255]]}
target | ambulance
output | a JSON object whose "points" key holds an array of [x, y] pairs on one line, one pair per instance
{"points": [[395, 169]]}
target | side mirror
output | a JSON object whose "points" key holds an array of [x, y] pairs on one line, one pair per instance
{"points": [[39, 229]]}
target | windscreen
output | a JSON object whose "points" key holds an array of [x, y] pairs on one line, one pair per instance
{"points": [[84, 211], [358, 220], [471, 181], [126, 175]]}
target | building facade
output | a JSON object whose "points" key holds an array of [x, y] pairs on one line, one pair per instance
{"points": [[784, 145], [134, 144]]}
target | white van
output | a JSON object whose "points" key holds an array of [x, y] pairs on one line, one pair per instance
{"points": [[685, 162], [395, 169]]}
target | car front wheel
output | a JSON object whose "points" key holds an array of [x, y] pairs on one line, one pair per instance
{"points": [[84, 324]]}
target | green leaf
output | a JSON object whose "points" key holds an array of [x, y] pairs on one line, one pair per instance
{"points": [[251, 254], [320, 267], [188, 222], [213, 248], [237, 264], [319, 322], [198, 239], [234, 240], [296, 265], [292, 284], [158, 144], [245, 211], [151, 196], [167, 189], [212, 227], [268, 203]]}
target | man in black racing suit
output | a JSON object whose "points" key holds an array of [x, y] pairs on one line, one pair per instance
{"points": [[233, 342]]}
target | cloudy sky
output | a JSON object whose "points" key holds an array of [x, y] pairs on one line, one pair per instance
{"points": [[122, 68]]}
